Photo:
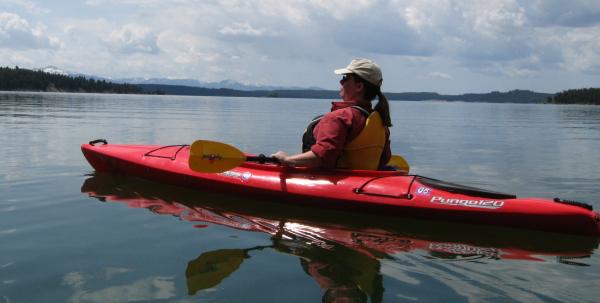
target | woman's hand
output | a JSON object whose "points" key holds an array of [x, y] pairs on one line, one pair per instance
{"points": [[282, 157], [307, 159]]}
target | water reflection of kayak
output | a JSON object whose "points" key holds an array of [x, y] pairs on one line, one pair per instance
{"points": [[373, 236], [391, 193]]}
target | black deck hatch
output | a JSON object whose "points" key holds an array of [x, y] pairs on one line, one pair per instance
{"points": [[462, 189]]}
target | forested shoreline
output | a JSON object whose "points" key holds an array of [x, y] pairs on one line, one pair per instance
{"points": [[577, 96], [20, 79], [513, 96]]}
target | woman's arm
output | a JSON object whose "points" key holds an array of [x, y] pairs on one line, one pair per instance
{"points": [[307, 159]]}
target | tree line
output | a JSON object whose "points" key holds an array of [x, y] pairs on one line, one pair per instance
{"points": [[21, 79], [577, 96], [513, 96]]}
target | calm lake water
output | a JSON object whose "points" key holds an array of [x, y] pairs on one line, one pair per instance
{"points": [[69, 235]]}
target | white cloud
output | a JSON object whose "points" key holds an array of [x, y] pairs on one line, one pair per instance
{"points": [[130, 2], [29, 6], [495, 19], [261, 40], [243, 29], [189, 49], [145, 289], [341, 9], [503, 37], [574, 13], [17, 33], [581, 49], [473, 30], [133, 38], [436, 75], [425, 14], [12, 58], [384, 30], [151, 288], [85, 49]]}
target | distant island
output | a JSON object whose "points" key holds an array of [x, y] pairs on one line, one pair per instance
{"points": [[20, 79]]}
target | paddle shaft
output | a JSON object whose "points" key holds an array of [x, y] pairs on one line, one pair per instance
{"points": [[262, 159]]}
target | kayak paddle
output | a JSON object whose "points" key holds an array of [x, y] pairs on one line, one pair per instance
{"points": [[210, 268], [215, 157], [399, 163]]}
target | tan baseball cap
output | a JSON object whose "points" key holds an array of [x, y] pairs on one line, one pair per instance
{"points": [[365, 69]]}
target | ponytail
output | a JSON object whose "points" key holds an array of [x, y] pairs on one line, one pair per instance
{"points": [[383, 107]]}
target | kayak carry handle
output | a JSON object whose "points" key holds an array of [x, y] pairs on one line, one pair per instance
{"points": [[94, 142]]}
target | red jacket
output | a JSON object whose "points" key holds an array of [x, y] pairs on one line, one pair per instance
{"points": [[338, 127]]}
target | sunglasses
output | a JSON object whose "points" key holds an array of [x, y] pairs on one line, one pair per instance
{"points": [[346, 78]]}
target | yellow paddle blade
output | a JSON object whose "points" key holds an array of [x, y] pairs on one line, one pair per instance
{"points": [[399, 163], [211, 268], [214, 157]]}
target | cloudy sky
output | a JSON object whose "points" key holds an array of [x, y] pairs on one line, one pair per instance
{"points": [[447, 46]]}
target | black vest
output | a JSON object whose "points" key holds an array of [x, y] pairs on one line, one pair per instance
{"points": [[308, 138]]}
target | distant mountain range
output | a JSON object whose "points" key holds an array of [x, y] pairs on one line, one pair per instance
{"points": [[513, 96], [193, 87], [224, 84]]}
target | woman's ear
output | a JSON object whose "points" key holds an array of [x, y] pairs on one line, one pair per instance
{"points": [[360, 86]]}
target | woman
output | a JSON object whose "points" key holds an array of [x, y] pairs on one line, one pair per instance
{"points": [[340, 138]]}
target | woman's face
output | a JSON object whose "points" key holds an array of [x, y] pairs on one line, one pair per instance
{"points": [[350, 89]]}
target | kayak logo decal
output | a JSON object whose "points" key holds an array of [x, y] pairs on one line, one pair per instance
{"points": [[245, 176], [425, 191], [490, 204]]}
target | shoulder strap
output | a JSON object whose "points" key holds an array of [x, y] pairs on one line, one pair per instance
{"points": [[365, 112], [317, 118], [308, 139]]}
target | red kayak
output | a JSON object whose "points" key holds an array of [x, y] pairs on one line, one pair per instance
{"points": [[388, 192]]}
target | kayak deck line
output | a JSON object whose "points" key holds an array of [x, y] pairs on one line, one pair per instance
{"points": [[390, 193], [575, 203], [173, 157]]}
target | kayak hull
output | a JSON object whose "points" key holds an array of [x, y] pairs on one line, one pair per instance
{"points": [[389, 193]]}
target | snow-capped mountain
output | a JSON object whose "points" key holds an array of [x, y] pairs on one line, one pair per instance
{"points": [[228, 84], [54, 70], [59, 71]]}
